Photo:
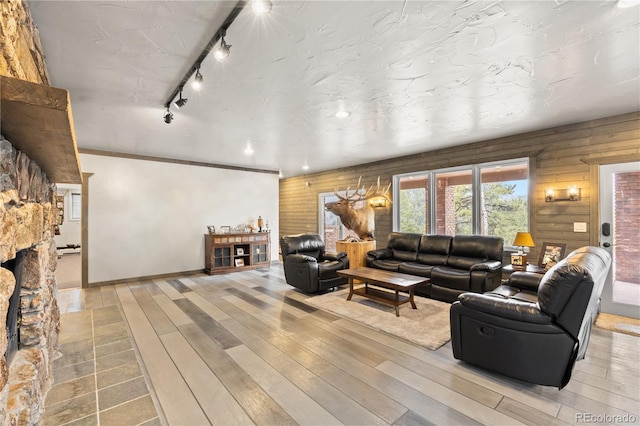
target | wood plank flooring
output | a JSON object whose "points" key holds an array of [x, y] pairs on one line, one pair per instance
{"points": [[243, 349]]}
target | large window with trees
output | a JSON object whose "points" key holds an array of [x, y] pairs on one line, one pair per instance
{"points": [[486, 199]]}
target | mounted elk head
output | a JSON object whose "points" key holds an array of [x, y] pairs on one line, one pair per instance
{"points": [[360, 220]]}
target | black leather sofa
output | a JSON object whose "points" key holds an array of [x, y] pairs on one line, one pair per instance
{"points": [[455, 264], [308, 266], [534, 327]]}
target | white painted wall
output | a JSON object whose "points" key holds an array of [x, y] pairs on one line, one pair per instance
{"points": [[148, 218], [70, 229]]}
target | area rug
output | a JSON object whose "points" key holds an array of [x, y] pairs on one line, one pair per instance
{"points": [[619, 324], [427, 326]]}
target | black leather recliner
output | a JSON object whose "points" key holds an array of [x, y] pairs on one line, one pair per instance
{"points": [[308, 267], [534, 327]]}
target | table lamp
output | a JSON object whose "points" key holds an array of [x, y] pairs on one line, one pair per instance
{"points": [[519, 260]]}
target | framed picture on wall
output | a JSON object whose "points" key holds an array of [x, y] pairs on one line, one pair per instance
{"points": [[551, 254]]}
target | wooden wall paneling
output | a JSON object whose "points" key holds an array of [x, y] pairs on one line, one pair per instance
{"points": [[561, 157]]}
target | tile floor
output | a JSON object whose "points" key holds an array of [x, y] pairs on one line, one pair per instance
{"points": [[97, 378]]}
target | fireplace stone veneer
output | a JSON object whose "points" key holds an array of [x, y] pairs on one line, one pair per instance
{"points": [[26, 221]]}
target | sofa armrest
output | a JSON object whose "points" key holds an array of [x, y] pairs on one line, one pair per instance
{"points": [[525, 280], [329, 255], [379, 254], [505, 308], [490, 265], [301, 258]]}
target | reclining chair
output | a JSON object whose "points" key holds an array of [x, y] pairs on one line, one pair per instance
{"points": [[534, 327], [308, 267]]}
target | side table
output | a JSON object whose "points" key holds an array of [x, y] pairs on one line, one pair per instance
{"points": [[508, 269]]}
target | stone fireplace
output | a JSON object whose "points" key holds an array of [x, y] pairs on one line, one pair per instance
{"points": [[27, 218], [37, 148], [14, 310]]}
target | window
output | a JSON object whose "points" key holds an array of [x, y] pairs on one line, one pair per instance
{"points": [[504, 206], [76, 206], [454, 199], [414, 215], [331, 228], [486, 199]]}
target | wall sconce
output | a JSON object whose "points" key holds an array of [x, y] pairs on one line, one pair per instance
{"points": [[572, 193], [377, 202]]}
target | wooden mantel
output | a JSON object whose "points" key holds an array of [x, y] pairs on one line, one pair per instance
{"points": [[37, 120]]}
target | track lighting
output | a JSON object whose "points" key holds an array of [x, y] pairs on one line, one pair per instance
{"points": [[220, 49], [181, 101], [223, 50], [168, 117], [261, 7], [197, 80]]}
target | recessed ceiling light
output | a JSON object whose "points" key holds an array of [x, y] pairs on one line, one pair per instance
{"points": [[305, 166], [249, 149], [342, 114], [623, 4]]}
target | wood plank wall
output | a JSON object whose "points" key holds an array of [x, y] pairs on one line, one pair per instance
{"points": [[560, 157]]}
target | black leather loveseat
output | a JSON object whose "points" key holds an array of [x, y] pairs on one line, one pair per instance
{"points": [[534, 327], [455, 264]]}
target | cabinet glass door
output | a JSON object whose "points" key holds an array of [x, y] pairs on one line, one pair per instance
{"points": [[222, 257], [259, 253]]}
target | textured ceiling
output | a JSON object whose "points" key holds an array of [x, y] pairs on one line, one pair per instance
{"points": [[415, 76]]}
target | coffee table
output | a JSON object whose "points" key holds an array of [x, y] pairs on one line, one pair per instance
{"points": [[385, 279]]}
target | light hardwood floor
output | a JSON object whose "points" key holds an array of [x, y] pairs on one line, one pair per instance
{"points": [[243, 349]]}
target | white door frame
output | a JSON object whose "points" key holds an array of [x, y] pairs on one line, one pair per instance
{"points": [[607, 241]]}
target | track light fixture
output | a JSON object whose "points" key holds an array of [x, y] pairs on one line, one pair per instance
{"points": [[181, 101], [223, 50], [168, 116], [261, 7], [198, 80]]}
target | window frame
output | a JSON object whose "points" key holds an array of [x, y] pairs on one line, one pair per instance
{"points": [[476, 190], [75, 206]]}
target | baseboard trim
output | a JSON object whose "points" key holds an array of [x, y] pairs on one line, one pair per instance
{"points": [[145, 278]]}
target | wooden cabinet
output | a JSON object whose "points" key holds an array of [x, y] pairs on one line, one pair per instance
{"points": [[356, 251], [226, 253]]}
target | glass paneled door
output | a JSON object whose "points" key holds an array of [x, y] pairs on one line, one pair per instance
{"points": [[620, 235]]}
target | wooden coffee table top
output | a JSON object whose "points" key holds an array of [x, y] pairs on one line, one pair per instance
{"points": [[389, 279]]}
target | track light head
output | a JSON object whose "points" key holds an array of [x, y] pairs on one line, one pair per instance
{"points": [[198, 80], [168, 116], [181, 101], [223, 50], [261, 7]]}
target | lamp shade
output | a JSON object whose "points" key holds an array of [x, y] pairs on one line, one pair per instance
{"points": [[523, 239]]}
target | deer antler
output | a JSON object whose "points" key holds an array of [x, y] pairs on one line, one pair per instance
{"points": [[368, 194], [353, 197]]}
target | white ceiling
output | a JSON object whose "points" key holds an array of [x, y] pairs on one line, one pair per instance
{"points": [[415, 75]]}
